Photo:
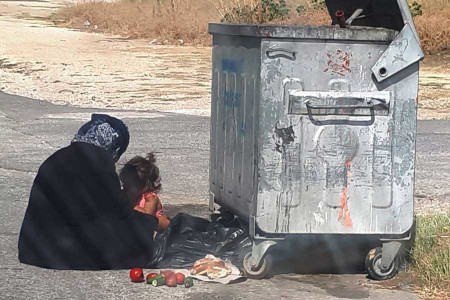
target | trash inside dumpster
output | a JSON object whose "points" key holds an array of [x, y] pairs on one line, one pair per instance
{"points": [[313, 129]]}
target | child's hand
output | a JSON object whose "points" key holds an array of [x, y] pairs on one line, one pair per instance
{"points": [[152, 203], [163, 222]]}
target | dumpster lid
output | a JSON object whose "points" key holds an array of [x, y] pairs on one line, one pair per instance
{"points": [[375, 13]]}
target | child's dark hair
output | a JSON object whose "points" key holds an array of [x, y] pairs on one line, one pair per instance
{"points": [[141, 175]]}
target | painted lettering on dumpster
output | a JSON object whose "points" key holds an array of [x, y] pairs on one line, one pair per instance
{"points": [[232, 99], [232, 65]]}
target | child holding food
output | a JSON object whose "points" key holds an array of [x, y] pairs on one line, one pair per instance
{"points": [[141, 184]]}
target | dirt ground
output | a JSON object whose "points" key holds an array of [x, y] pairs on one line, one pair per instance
{"points": [[41, 61], [62, 66]]}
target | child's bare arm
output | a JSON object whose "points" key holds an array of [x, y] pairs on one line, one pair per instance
{"points": [[164, 222]]}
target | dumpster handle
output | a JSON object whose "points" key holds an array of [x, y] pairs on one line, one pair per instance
{"points": [[371, 106], [309, 107], [289, 54]]}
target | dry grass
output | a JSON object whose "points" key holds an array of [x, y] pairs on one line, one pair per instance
{"points": [[433, 5], [430, 267], [434, 25], [187, 19], [229, 7], [434, 31]]}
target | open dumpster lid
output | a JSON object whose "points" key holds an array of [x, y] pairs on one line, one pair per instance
{"points": [[389, 14], [376, 13]]}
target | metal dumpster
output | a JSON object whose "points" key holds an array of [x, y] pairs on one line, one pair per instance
{"points": [[313, 131]]}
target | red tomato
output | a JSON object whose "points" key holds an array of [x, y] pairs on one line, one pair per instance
{"points": [[171, 281], [180, 278], [151, 275], [137, 275], [167, 273]]}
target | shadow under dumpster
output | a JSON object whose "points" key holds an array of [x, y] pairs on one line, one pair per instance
{"points": [[321, 255], [305, 254]]}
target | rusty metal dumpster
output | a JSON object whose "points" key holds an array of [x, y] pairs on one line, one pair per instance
{"points": [[313, 131]]}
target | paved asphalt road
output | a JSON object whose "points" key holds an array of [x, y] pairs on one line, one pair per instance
{"points": [[31, 130]]}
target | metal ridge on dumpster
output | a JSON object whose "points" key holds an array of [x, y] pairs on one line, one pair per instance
{"points": [[304, 32]]}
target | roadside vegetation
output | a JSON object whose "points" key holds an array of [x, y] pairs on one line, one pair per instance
{"points": [[186, 21], [430, 257]]}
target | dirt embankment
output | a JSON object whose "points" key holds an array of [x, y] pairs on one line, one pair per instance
{"points": [[64, 66]]}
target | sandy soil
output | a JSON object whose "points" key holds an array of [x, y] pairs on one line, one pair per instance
{"points": [[64, 66]]}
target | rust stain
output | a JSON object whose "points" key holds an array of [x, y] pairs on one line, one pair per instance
{"points": [[349, 165], [338, 62], [344, 213]]}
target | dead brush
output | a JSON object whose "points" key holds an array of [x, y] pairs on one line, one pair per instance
{"points": [[434, 31], [309, 17], [433, 5], [167, 21], [237, 11], [170, 21]]}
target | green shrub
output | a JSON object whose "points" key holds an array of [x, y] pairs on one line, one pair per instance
{"points": [[416, 9], [318, 4]]}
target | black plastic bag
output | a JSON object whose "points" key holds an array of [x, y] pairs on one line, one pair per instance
{"points": [[189, 239]]}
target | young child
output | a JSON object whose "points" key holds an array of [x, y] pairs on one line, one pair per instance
{"points": [[141, 184]]}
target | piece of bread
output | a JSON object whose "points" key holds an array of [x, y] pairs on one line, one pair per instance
{"points": [[211, 266], [204, 260], [206, 265], [218, 272]]}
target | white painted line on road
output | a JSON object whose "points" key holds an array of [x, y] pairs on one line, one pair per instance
{"points": [[192, 111], [119, 115]]}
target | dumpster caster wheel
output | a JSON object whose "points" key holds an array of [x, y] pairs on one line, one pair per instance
{"points": [[374, 268], [260, 272]]}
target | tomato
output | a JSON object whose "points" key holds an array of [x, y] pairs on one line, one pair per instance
{"points": [[180, 278], [167, 273], [171, 281], [137, 275], [151, 275]]}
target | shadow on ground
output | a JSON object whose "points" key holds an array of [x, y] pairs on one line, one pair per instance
{"points": [[306, 254]]}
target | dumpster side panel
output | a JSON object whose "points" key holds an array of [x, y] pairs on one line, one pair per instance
{"points": [[331, 167], [405, 84], [235, 88]]}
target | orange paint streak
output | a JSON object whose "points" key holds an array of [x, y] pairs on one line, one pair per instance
{"points": [[344, 214]]}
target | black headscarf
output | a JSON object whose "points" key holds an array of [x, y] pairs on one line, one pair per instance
{"points": [[106, 132]]}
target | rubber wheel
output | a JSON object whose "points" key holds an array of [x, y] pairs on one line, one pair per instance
{"points": [[374, 269], [260, 272]]}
